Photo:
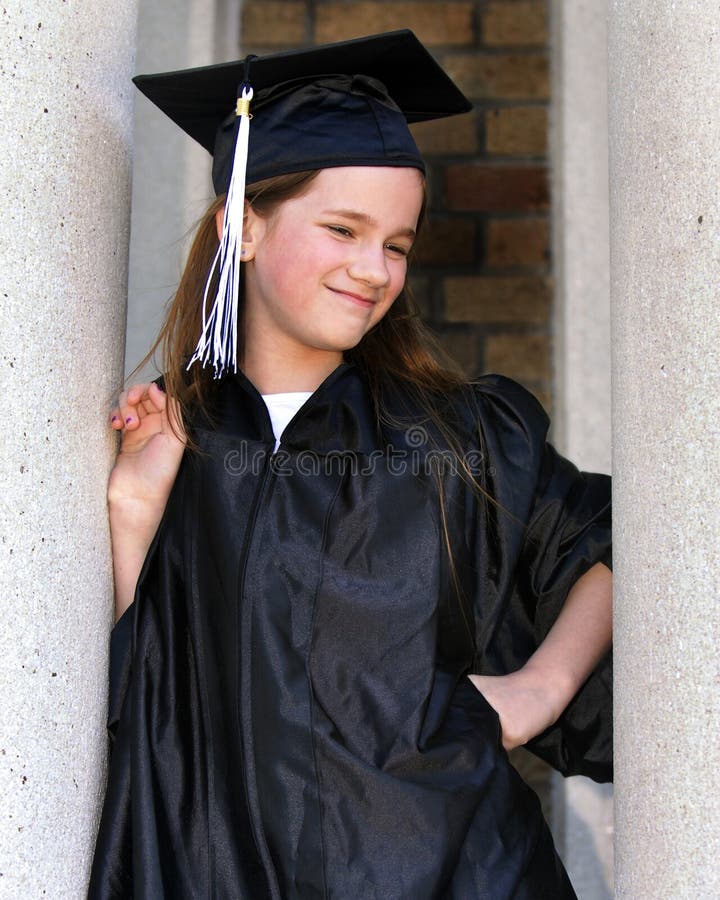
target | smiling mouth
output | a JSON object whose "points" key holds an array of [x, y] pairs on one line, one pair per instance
{"points": [[359, 299]]}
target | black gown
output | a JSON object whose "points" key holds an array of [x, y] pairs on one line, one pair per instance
{"points": [[290, 713]]}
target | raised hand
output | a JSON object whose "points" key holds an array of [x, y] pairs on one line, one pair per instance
{"points": [[151, 447]]}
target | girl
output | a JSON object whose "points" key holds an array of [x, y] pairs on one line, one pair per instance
{"points": [[347, 581]]}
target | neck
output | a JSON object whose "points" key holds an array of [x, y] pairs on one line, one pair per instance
{"points": [[280, 372]]}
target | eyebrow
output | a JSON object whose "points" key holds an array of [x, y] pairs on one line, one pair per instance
{"points": [[365, 219]]}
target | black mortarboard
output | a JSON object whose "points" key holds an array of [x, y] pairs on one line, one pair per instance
{"points": [[316, 108], [344, 104]]}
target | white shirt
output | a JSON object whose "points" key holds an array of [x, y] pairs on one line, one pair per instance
{"points": [[282, 408]]}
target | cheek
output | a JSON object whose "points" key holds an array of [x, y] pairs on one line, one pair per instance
{"points": [[398, 276], [397, 283], [281, 266]]}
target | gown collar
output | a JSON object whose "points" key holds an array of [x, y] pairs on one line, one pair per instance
{"points": [[338, 416]]}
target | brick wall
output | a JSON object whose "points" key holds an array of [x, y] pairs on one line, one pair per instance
{"points": [[482, 274]]}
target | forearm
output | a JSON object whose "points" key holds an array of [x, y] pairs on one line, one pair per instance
{"points": [[132, 528], [580, 637], [531, 699]]}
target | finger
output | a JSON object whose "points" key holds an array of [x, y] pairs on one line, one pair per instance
{"points": [[127, 408], [115, 418], [120, 411], [134, 404], [151, 399], [154, 399]]}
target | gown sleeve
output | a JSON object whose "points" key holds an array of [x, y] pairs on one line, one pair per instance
{"points": [[120, 655], [111, 872], [553, 523]]}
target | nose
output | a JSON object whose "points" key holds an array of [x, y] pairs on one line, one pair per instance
{"points": [[370, 266]]}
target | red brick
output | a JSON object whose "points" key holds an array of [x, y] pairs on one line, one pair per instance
{"points": [[515, 23], [525, 357], [517, 130], [517, 242], [435, 24], [267, 23], [506, 299], [491, 188], [448, 242], [452, 136], [463, 348], [421, 292], [501, 76]]}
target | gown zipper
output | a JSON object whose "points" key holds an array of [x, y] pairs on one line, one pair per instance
{"points": [[245, 710]]}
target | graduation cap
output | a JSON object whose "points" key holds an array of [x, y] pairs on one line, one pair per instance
{"points": [[342, 104]]}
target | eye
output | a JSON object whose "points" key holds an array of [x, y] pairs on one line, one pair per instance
{"points": [[397, 249], [340, 229]]}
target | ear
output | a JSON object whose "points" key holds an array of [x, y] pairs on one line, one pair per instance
{"points": [[251, 222], [254, 227], [219, 220]]}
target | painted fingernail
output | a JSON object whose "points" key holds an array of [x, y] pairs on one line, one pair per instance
{"points": [[114, 419], [128, 420]]}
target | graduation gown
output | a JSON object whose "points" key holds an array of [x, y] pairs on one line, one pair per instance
{"points": [[290, 712]]}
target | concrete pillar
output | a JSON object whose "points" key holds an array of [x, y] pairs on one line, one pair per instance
{"points": [[665, 281], [65, 138], [581, 240], [582, 810]]}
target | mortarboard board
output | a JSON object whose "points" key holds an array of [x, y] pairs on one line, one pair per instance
{"points": [[314, 108], [343, 104]]}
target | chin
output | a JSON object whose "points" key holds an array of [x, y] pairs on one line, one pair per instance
{"points": [[341, 345]]}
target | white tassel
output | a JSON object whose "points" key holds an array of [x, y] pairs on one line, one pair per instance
{"points": [[218, 340]]}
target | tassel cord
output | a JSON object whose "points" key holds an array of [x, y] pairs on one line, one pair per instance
{"points": [[218, 340]]}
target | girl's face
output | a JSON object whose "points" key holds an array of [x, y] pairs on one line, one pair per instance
{"points": [[325, 267]]}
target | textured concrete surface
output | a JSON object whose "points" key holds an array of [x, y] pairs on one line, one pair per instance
{"points": [[64, 205], [582, 810], [665, 279], [171, 173], [581, 240]]}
